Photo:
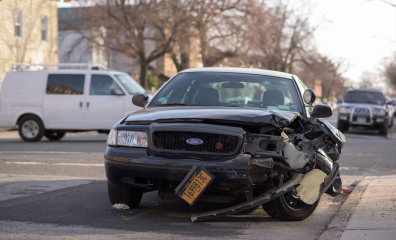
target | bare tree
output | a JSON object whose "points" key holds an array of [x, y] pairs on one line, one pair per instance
{"points": [[369, 80], [280, 37], [217, 27], [329, 72], [141, 29], [221, 27], [390, 71]]}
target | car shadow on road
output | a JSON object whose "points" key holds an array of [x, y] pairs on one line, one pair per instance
{"points": [[88, 205], [368, 133]]}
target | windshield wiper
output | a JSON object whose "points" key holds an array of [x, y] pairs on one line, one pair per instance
{"points": [[172, 104]]}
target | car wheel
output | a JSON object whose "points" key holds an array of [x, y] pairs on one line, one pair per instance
{"points": [[31, 128], [384, 129], [127, 195], [288, 207], [54, 136], [343, 127]]}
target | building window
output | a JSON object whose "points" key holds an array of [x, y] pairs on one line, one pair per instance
{"points": [[18, 23], [44, 29]]}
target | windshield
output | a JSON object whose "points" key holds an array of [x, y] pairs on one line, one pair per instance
{"points": [[129, 84], [365, 97], [229, 90]]}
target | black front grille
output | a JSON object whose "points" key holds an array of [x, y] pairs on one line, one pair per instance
{"points": [[177, 141]]}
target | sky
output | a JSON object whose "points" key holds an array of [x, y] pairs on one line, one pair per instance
{"points": [[360, 32]]}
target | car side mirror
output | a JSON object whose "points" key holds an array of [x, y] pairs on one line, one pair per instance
{"points": [[140, 100], [116, 92], [322, 111], [309, 96]]}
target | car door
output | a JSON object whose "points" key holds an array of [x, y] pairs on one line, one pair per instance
{"points": [[63, 101], [103, 106]]}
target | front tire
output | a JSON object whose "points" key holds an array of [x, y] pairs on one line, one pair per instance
{"points": [[127, 195], [288, 207], [54, 136], [31, 128]]}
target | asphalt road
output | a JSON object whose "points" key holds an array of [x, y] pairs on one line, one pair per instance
{"points": [[57, 190]]}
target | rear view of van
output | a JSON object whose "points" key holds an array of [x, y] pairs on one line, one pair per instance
{"points": [[52, 102]]}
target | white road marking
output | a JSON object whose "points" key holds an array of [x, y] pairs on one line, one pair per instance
{"points": [[46, 152], [348, 168], [58, 164]]}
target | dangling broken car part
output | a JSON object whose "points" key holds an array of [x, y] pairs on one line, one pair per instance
{"points": [[220, 134]]}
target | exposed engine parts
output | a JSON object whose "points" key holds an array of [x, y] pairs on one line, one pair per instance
{"points": [[320, 146]]}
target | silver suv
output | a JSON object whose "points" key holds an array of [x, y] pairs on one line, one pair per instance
{"points": [[365, 108]]}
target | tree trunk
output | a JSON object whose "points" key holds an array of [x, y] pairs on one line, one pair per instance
{"points": [[143, 74]]}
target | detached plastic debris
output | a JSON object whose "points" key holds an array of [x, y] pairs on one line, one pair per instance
{"points": [[309, 188], [346, 190], [120, 206]]}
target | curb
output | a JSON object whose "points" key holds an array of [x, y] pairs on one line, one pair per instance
{"points": [[8, 129], [339, 222]]}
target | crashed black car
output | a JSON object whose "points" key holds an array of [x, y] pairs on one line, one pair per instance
{"points": [[216, 134]]}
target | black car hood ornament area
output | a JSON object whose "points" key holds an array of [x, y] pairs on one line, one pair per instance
{"points": [[256, 117]]}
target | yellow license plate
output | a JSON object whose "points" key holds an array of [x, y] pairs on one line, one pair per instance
{"points": [[194, 185]]}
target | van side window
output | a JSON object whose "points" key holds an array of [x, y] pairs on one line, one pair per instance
{"points": [[102, 85], [72, 84]]}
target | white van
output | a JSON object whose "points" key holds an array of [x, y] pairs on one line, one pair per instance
{"points": [[52, 102]]}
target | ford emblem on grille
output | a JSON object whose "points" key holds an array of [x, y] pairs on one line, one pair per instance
{"points": [[194, 141]]}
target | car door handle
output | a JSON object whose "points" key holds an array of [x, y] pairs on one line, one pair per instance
{"points": [[81, 104], [87, 104]]}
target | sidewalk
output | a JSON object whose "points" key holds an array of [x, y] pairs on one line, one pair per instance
{"points": [[375, 215], [369, 213]]}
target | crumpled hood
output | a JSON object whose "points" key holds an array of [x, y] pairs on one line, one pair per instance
{"points": [[250, 116]]}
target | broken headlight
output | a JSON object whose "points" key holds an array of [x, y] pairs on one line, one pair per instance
{"points": [[378, 111], [345, 110], [132, 138]]}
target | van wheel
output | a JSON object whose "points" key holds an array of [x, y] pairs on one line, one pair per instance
{"points": [[54, 136], [31, 129], [127, 195], [289, 206]]}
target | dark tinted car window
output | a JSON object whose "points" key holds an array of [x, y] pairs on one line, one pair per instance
{"points": [[65, 84], [364, 97], [102, 85]]}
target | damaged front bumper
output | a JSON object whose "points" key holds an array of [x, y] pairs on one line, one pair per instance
{"points": [[268, 196], [142, 170]]}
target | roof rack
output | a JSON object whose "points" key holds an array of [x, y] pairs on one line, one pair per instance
{"points": [[41, 66]]}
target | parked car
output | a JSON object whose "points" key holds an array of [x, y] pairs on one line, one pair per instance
{"points": [[52, 102], [194, 141], [365, 108]]}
